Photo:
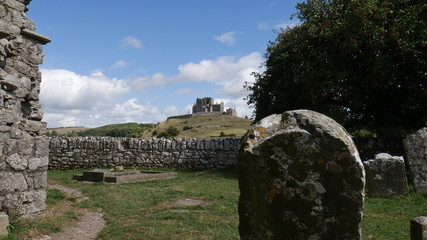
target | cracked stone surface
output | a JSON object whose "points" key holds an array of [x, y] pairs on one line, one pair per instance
{"points": [[300, 177]]}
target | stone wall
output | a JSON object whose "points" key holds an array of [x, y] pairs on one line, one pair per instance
{"points": [[23, 149], [102, 152]]}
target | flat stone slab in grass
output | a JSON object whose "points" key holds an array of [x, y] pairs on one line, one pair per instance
{"points": [[140, 176], [188, 202], [99, 175]]}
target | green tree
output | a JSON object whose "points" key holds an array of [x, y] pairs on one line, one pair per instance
{"points": [[361, 62], [54, 133], [173, 132]]}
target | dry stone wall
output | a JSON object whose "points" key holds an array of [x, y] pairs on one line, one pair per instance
{"points": [[102, 152], [23, 149]]}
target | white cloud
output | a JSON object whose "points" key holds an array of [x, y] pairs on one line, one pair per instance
{"points": [[241, 106], [130, 41], [63, 89], [267, 25], [120, 64], [229, 73], [227, 38], [70, 99], [143, 83], [285, 25], [186, 91]]}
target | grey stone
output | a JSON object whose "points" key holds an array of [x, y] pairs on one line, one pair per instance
{"points": [[7, 29], [4, 223], [415, 146], [300, 177], [17, 162], [34, 202], [12, 182], [38, 163], [386, 176], [419, 228]]}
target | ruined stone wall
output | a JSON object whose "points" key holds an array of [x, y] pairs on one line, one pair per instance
{"points": [[23, 149], [103, 152]]}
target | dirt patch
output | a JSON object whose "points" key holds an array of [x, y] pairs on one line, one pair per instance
{"points": [[86, 228]]}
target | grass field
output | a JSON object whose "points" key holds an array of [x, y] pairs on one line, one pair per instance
{"points": [[142, 210], [209, 126]]}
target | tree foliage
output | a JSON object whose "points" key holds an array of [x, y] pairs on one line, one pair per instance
{"points": [[361, 62], [118, 130]]}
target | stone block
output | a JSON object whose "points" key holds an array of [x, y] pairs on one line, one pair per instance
{"points": [[300, 177], [17, 162], [12, 182], [94, 176], [415, 146], [419, 228], [4, 223], [386, 176], [26, 203]]}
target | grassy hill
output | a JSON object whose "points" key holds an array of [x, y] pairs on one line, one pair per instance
{"points": [[210, 126], [67, 130], [119, 130]]}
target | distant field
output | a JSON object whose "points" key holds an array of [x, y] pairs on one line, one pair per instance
{"points": [[206, 126], [65, 130], [210, 126]]}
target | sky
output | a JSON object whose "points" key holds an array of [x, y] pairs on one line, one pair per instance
{"points": [[114, 61]]}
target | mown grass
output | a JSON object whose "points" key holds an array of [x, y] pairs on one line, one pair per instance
{"points": [[141, 210]]}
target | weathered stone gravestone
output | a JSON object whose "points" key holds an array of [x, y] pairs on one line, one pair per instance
{"points": [[419, 228], [23, 148], [386, 176], [300, 177], [415, 146]]}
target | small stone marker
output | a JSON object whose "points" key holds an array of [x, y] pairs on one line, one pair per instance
{"points": [[419, 228], [386, 176], [415, 146], [300, 177], [4, 223]]}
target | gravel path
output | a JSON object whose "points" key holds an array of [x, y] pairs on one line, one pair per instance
{"points": [[87, 228]]}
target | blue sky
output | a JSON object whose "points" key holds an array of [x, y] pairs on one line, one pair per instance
{"points": [[144, 60]]}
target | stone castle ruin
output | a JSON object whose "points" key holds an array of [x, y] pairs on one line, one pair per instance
{"points": [[23, 148], [207, 106]]}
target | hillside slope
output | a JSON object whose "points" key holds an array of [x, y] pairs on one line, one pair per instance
{"points": [[210, 126]]}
